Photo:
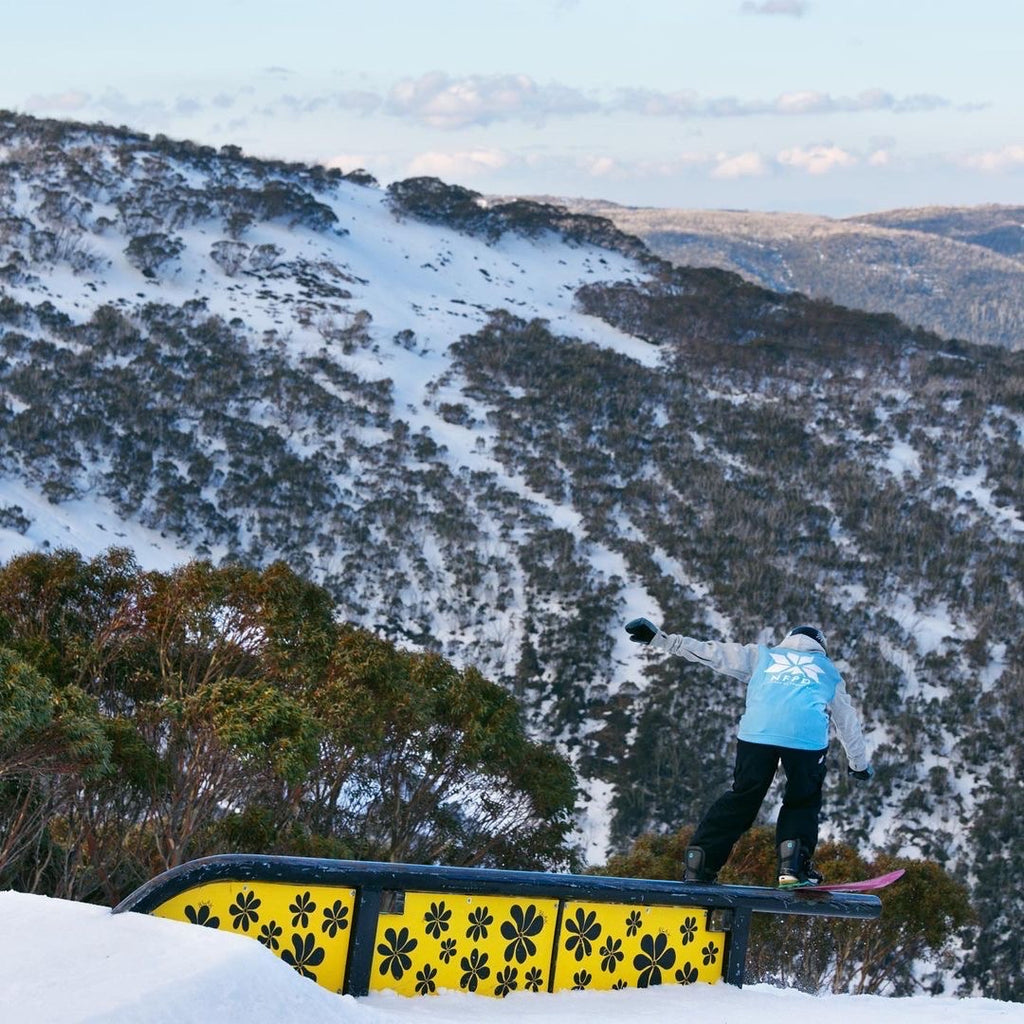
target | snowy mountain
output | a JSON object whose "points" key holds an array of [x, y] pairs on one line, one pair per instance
{"points": [[498, 431]]}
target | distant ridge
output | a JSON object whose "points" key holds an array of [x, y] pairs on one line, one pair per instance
{"points": [[957, 271]]}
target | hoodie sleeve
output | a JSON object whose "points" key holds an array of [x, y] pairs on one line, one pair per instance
{"points": [[736, 660], [847, 724]]}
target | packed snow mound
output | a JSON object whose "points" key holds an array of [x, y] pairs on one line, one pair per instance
{"points": [[71, 963]]}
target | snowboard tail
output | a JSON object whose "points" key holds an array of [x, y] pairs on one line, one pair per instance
{"points": [[865, 885]]}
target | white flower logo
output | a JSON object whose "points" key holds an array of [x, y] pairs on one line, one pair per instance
{"points": [[793, 668]]}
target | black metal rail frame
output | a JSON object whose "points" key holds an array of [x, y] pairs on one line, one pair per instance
{"points": [[733, 905]]}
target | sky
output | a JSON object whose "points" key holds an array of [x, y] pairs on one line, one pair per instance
{"points": [[837, 107], [73, 963]]}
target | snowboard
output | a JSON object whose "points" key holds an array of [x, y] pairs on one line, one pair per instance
{"points": [[866, 885]]}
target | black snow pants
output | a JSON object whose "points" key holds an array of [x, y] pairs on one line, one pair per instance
{"points": [[734, 812]]}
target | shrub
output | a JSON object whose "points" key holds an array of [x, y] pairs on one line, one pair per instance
{"points": [[151, 252], [908, 948]]}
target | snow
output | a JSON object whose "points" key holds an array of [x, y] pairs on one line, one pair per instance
{"points": [[89, 525], [407, 274], [903, 458], [972, 488], [72, 963]]}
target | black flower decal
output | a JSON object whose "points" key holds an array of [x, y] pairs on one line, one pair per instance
{"points": [[655, 958], [425, 983], [621, 983], [583, 930], [243, 910], [581, 980], [611, 954], [395, 950], [301, 909], [475, 969], [447, 950], [307, 954], [201, 915], [479, 920], [270, 933], [688, 974], [710, 953], [335, 918], [634, 923], [437, 919], [534, 979], [519, 931], [508, 981], [689, 930]]}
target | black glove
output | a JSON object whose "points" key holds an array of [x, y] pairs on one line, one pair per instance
{"points": [[864, 774], [641, 631]]}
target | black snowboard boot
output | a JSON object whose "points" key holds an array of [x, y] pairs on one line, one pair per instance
{"points": [[694, 870], [814, 876], [795, 867]]}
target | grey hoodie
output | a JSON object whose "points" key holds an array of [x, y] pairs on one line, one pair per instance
{"points": [[741, 661]]}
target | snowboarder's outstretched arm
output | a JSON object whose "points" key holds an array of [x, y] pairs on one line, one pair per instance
{"points": [[848, 729], [736, 660]]}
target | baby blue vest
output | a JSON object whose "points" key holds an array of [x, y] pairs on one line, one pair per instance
{"points": [[788, 697]]}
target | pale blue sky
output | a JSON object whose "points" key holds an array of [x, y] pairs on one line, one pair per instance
{"points": [[822, 106]]}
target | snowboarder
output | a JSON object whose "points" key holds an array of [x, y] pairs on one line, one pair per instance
{"points": [[793, 692]]}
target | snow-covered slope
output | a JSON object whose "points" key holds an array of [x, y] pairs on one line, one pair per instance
{"points": [[499, 433], [71, 963]]}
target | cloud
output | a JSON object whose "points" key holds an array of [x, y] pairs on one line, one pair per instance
{"points": [[800, 103], [793, 8], [743, 165], [605, 167], [438, 100], [62, 102], [659, 104], [445, 102], [813, 159], [470, 163], [141, 113], [608, 167], [1008, 158], [809, 102], [816, 159], [187, 106], [360, 100], [730, 166], [378, 164]]}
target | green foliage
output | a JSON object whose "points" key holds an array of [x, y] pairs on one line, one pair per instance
{"points": [[152, 251], [423, 762], [227, 706], [436, 202], [48, 735], [25, 704], [432, 200], [907, 948], [46, 729], [651, 855], [993, 959]]}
